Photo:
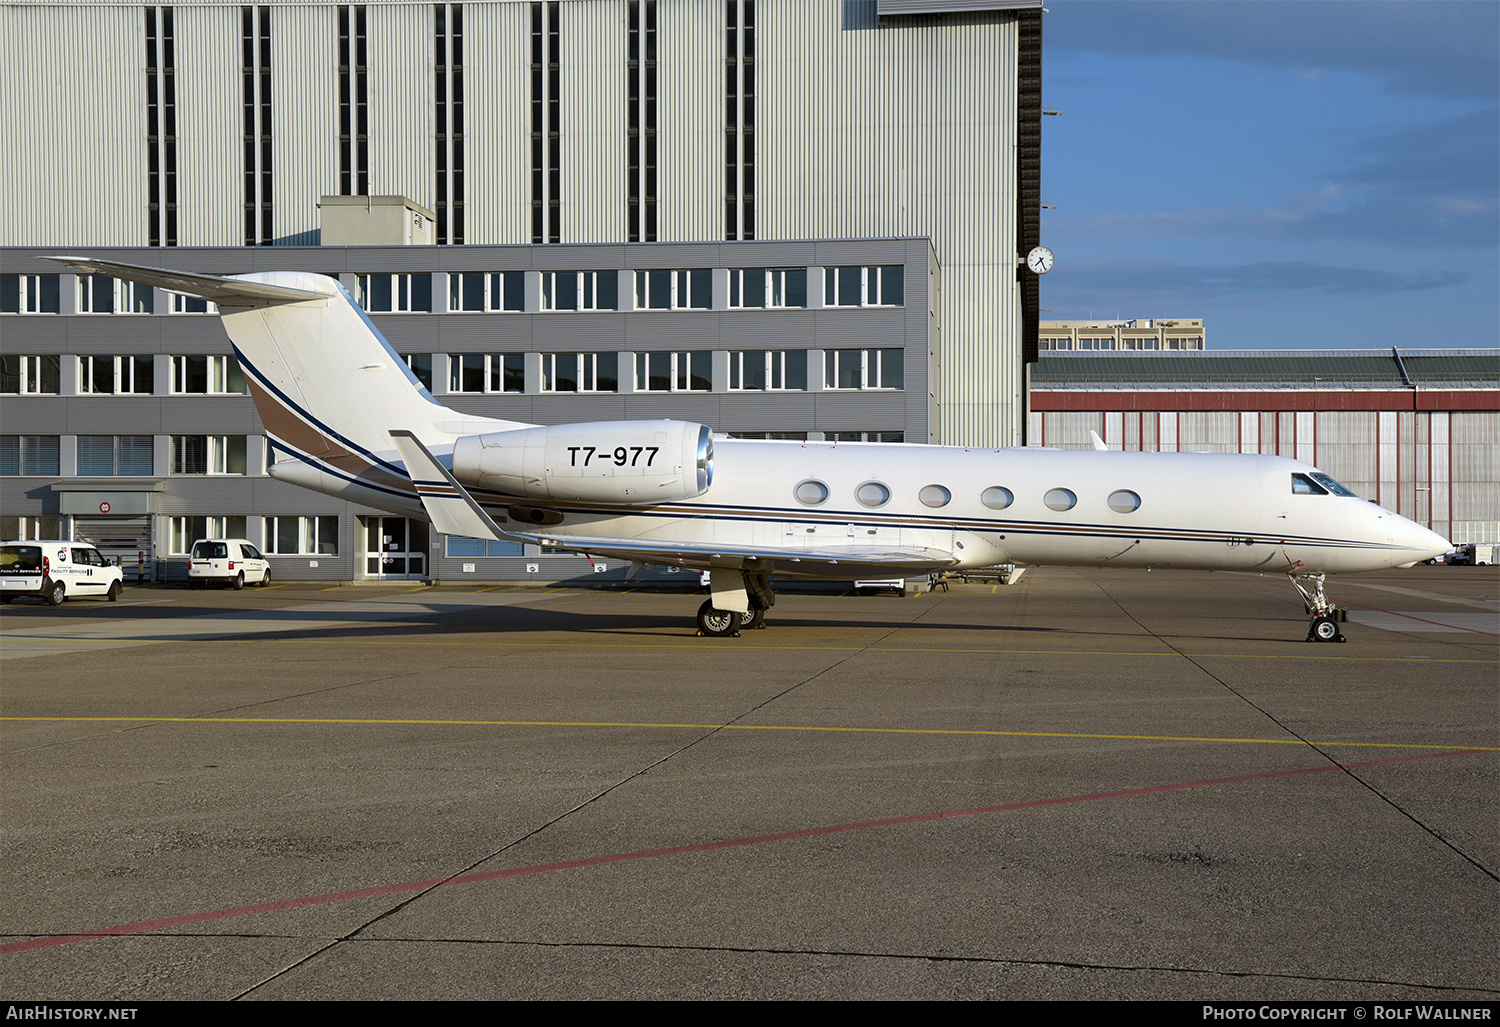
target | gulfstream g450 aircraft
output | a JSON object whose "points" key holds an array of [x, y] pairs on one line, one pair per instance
{"points": [[346, 417]]}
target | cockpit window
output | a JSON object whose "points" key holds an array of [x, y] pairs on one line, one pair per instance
{"points": [[1332, 486], [1302, 485]]}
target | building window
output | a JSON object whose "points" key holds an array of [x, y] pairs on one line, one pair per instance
{"points": [[207, 376], [101, 294], [29, 454], [354, 102], [674, 372], [255, 77], [864, 436], [448, 90], [161, 127], [640, 91], [767, 287], [29, 376], [863, 369], [115, 376], [297, 536], [546, 124], [739, 120], [394, 294], [187, 530], [580, 290], [109, 455], [791, 436], [421, 366], [461, 546], [192, 304], [46, 527], [208, 454], [864, 286], [674, 290], [768, 370], [478, 291], [580, 372], [29, 294], [1106, 342], [487, 372]]}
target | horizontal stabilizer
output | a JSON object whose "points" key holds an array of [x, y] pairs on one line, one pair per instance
{"points": [[227, 292], [449, 506]]}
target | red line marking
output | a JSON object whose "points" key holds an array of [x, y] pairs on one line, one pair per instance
{"points": [[144, 926]]}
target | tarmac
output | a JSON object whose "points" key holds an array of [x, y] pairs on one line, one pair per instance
{"points": [[1085, 785]]}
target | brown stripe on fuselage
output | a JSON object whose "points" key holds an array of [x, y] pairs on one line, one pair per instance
{"points": [[285, 425]]}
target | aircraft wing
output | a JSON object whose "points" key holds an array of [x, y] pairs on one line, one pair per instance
{"points": [[448, 504], [232, 292], [803, 561]]}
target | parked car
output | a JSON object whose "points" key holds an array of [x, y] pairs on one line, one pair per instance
{"points": [[227, 561], [55, 571]]}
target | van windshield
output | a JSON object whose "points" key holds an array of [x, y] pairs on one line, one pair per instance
{"points": [[210, 551]]}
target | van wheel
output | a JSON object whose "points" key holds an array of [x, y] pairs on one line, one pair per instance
{"points": [[56, 593], [265, 579], [239, 581], [113, 595]]}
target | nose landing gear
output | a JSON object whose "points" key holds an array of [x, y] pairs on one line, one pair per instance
{"points": [[1325, 616]]}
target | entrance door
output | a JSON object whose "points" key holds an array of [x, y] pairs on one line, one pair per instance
{"points": [[395, 548]]}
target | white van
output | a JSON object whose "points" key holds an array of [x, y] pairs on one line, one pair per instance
{"points": [[227, 561], [55, 571]]}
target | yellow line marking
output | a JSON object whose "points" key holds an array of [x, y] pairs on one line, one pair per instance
{"points": [[740, 727], [699, 647], [992, 589]]}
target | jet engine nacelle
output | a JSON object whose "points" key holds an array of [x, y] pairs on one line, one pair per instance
{"points": [[629, 462]]}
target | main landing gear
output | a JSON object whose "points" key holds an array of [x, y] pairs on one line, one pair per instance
{"points": [[1325, 616], [718, 616]]}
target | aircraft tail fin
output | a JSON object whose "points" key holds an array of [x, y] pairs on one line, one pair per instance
{"points": [[326, 383]]}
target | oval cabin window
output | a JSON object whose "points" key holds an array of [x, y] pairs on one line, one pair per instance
{"points": [[872, 493], [996, 497], [1060, 499], [811, 492], [1124, 501], [934, 496]]}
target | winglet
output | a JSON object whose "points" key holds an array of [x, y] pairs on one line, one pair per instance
{"points": [[1098, 442], [448, 504]]}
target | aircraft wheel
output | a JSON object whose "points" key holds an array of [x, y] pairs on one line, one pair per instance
{"points": [[717, 623], [56, 593], [756, 618], [1326, 629], [113, 595], [239, 582]]}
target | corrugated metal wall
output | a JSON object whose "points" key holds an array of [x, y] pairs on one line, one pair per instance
{"points": [[85, 186], [690, 105], [868, 129], [593, 121], [210, 133], [497, 138], [304, 117], [403, 133]]}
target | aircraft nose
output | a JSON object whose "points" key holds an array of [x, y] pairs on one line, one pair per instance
{"points": [[1412, 543]]}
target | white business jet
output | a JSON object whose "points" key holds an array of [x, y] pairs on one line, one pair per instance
{"points": [[346, 417]]}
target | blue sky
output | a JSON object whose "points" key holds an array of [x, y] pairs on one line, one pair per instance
{"points": [[1301, 175]]}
